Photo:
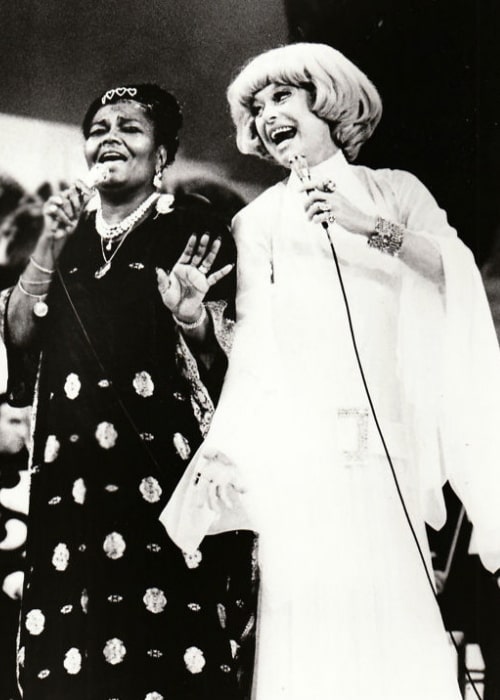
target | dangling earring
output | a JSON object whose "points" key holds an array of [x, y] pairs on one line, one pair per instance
{"points": [[165, 201], [158, 179]]}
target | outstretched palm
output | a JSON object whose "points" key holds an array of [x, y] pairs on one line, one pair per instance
{"points": [[184, 289]]}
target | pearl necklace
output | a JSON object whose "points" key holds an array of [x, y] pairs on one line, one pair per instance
{"points": [[109, 232]]}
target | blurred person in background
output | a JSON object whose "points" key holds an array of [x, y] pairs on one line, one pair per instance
{"points": [[14, 496], [19, 232], [11, 194]]}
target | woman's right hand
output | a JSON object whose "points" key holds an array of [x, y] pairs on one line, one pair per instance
{"points": [[62, 212]]}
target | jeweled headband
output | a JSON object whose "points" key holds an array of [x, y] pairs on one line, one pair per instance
{"points": [[120, 92]]}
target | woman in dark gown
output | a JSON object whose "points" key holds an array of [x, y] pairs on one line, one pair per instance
{"points": [[131, 360]]}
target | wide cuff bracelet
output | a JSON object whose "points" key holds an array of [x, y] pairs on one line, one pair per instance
{"points": [[388, 237]]}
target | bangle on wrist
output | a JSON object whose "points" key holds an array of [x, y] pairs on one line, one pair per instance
{"points": [[40, 308], [24, 282], [194, 324], [40, 267], [388, 237]]}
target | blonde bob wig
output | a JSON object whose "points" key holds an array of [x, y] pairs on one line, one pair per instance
{"points": [[341, 94]]}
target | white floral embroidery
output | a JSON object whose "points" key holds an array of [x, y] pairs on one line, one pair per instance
{"points": [[115, 598], [153, 547], [147, 437], [35, 622], [74, 438], [106, 435], [143, 384], [192, 559], [84, 601], [60, 558], [150, 489], [114, 545], [165, 203], [155, 653], [222, 615], [182, 446], [114, 651], [44, 673], [195, 607], [155, 600], [82, 547], [153, 696], [111, 488], [54, 500], [79, 491], [136, 266], [51, 449], [21, 656], [66, 609], [235, 647], [225, 668], [194, 660], [103, 383], [73, 661], [72, 386]]}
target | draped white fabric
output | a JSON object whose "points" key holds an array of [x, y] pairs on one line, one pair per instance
{"points": [[346, 609]]}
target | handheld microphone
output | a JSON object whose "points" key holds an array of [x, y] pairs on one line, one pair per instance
{"points": [[300, 167], [97, 174]]}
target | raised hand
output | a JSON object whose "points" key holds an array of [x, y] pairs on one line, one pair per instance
{"points": [[184, 289]]}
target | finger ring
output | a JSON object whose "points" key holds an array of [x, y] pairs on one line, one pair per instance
{"points": [[331, 218], [324, 206], [329, 186]]}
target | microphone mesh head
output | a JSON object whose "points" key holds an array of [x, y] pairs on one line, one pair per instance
{"points": [[97, 174]]}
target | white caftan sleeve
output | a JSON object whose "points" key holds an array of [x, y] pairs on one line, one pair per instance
{"points": [[244, 416], [451, 370]]}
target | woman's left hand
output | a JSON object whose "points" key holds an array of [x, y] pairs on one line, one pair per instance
{"points": [[324, 204], [184, 289], [218, 481]]}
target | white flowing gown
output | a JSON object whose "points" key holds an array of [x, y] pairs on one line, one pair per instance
{"points": [[347, 611]]}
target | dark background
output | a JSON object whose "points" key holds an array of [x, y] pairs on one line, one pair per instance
{"points": [[437, 66], [435, 62]]}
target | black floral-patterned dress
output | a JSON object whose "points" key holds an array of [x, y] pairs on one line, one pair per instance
{"points": [[112, 610]]}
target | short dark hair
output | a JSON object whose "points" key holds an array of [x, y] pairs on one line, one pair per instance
{"points": [[161, 107]]}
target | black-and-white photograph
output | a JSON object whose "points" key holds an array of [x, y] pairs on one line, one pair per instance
{"points": [[249, 350]]}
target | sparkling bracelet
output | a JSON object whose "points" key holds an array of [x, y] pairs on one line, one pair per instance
{"points": [[40, 267], [388, 237], [195, 324]]}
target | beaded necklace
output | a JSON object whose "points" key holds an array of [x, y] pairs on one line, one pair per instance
{"points": [[110, 232]]}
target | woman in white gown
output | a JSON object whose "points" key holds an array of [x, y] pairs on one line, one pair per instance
{"points": [[347, 608]]}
